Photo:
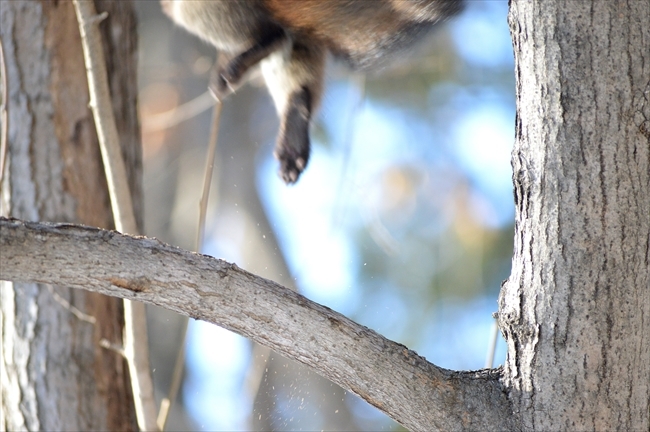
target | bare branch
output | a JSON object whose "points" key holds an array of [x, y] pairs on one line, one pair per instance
{"points": [[179, 365], [4, 118], [179, 114], [414, 392], [135, 321], [100, 104]]}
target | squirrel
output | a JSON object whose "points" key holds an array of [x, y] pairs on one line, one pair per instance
{"points": [[291, 38]]}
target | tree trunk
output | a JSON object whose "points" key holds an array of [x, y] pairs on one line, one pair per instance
{"points": [[575, 309], [54, 374]]}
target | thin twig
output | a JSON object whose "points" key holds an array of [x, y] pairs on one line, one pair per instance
{"points": [[207, 178], [166, 403], [179, 366], [4, 118], [173, 117], [135, 326], [100, 104], [105, 343], [492, 344], [73, 310]]}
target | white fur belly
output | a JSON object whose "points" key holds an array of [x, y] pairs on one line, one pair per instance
{"points": [[227, 27]]}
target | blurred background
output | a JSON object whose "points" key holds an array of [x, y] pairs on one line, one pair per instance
{"points": [[403, 220]]}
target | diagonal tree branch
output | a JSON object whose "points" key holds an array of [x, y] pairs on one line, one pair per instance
{"points": [[414, 392]]}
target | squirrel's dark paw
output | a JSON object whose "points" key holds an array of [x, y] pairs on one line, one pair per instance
{"points": [[292, 163]]}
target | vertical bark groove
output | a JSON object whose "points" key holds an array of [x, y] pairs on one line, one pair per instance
{"points": [[55, 375], [583, 200]]}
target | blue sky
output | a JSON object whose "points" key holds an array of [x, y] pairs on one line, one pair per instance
{"points": [[324, 260]]}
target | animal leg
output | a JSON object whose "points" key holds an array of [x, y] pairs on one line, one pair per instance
{"points": [[294, 77], [226, 75]]}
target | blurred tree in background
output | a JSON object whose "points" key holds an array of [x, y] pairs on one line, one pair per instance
{"points": [[402, 221]]}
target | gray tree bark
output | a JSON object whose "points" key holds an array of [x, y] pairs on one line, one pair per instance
{"points": [[55, 376], [575, 310]]}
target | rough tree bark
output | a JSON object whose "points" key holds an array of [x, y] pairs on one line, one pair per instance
{"points": [[54, 374], [576, 309]]}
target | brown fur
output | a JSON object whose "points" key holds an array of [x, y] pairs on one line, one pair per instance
{"points": [[290, 39]]}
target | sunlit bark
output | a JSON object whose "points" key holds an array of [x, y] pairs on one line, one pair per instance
{"points": [[55, 375], [575, 309]]}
